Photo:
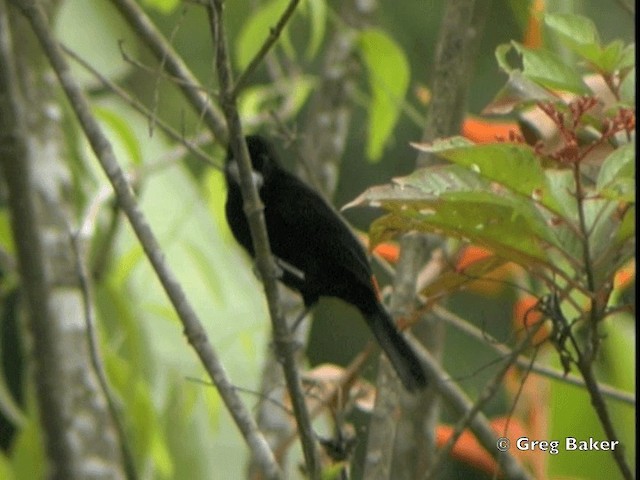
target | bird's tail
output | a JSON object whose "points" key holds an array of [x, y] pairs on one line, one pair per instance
{"points": [[398, 351]]}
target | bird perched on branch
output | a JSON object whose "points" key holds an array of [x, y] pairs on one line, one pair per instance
{"points": [[318, 253]]}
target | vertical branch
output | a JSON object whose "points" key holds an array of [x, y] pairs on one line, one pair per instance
{"points": [[77, 429], [462, 24], [193, 329], [255, 216]]}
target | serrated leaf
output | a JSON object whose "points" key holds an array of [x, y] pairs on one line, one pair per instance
{"points": [[628, 88], [549, 70], [628, 57], [627, 228], [495, 227], [616, 180], [573, 30], [580, 35], [388, 76], [514, 166]]}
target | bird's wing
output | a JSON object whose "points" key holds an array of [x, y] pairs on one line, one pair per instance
{"points": [[317, 226]]}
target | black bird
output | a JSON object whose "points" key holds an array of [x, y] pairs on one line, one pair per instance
{"points": [[319, 253]]}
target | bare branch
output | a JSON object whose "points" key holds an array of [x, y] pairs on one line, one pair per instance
{"points": [[274, 34], [193, 328]]}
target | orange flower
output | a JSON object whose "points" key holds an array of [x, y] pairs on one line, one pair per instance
{"points": [[625, 275], [533, 33], [525, 316], [479, 130], [468, 450], [389, 251], [470, 255]]}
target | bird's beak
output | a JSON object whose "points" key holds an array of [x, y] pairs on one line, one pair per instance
{"points": [[234, 172]]}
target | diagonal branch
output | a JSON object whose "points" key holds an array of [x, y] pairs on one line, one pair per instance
{"points": [[274, 34], [164, 53]]}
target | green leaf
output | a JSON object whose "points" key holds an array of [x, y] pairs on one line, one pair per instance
{"points": [[628, 88], [514, 166], [257, 29], [122, 129], [318, 16], [616, 180], [549, 70], [255, 100], [6, 233], [388, 75], [573, 30], [163, 6], [487, 224], [628, 57], [580, 35], [6, 471]]}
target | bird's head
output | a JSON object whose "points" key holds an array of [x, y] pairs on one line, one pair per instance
{"points": [[263, 160]]}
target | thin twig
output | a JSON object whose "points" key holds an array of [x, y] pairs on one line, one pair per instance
{"points": [[193, 328], [455, 398], [191, 146], [487, 394], [274, 34], [96, 359], [494, 344], [164, 53]]}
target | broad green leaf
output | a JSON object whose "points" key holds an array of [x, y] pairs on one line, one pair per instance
{"points": [[489, 225], [562, 185], [257, 29], [549, 70], [574, 30], [627, 228], [430, 188], [610, 58], [628, 88], [514, 166], [628, 57], [616, 179], [580, 35], [388, 75]]}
